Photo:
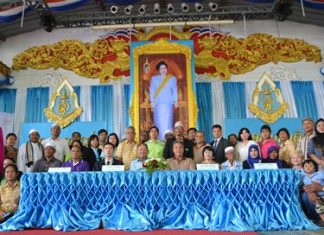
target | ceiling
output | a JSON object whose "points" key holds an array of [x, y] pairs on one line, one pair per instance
{"points": [[98, 12]]}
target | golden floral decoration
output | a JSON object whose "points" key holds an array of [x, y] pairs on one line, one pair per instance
{"points": [[218, 55]]}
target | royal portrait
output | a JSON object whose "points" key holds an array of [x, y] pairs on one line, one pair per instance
{"points": [[163, 90]]}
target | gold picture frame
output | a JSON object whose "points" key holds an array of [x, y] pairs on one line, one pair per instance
{"points": [[165, 49]]}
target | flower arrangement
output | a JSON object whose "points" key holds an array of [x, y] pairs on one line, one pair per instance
{"points": [[155, 164]]}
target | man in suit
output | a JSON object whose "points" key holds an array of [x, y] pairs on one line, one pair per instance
{"points": [[108, 159], [219, 144]]}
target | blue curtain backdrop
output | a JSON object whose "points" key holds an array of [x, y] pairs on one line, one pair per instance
{"points": [[205, 115], [234, 103], [127, 100], [36, 101], [103, 106], [305, 99], [8, 100]]}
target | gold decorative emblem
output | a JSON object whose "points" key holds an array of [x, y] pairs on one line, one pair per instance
{"points": [[267, 102], [63, 107]]}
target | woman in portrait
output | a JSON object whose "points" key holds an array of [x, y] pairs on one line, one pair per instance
{"points": [[163, 98]]}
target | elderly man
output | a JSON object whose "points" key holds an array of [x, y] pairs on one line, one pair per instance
{"points": [[30, 152], [179, 161], [126, 151], [61, 146], [308, 126], [137, 164], [179, 136], [42, 165], [230, 163]]}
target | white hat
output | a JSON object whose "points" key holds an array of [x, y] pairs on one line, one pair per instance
{"points": [[33, 131], [229, 149], [50, 144], [178, 124], [55, 124], [168, 132]]}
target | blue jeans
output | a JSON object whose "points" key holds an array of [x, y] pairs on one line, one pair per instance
{"points": [[308, 207]]}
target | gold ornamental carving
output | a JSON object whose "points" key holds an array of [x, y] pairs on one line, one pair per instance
{"points": [[219, 55]]}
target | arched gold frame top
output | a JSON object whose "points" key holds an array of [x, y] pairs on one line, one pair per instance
{"points": [[163, 46]]}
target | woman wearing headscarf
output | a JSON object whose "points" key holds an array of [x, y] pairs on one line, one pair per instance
{"points": [[273, 157], [253, 157]]}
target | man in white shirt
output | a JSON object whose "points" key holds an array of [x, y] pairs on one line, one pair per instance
{"points": [[62, 147], [30, 152]]}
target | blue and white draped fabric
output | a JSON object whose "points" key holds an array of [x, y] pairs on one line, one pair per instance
{"points": [[234, 104], [7, 100], [127, 101], [204, 101], [242, 200], [304, 99], [319, 96], [288, 96], [36, 101], [102, 105], [85, 103], [218, 103]]}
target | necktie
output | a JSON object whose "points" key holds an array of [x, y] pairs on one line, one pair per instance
{"points": [[108, 163], [215, 144]]}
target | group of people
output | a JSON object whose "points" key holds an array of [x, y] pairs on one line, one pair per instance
{"points": [[181, 150]]}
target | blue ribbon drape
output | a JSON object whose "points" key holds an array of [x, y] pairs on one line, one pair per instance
{"points": [[36, 101], [304, 99], [127, 100], [103, 106], [235, 104], [205, 115], [136, 201], [8, 100]]}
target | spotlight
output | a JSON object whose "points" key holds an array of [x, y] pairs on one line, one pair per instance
{"points": [[170, 8], [128, 9], [184, 7], [48, 21], [213, 6], [199, 7], [114, 9], [142, 9], [156, 8]]}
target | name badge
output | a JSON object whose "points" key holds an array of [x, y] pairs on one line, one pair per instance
{"points": [[59, 169], [207, 167], [265, 166], [113, 168]]}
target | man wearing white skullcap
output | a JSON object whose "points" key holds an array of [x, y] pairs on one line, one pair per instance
{"points": [[231, 163], [178, 136], [42, 165], [30, 152], [62, 147]]}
